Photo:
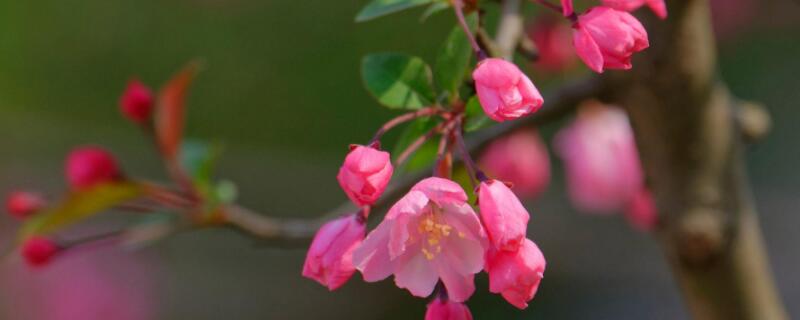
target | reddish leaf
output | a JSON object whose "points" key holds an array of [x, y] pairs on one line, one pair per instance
{"points": [[169, 118]]}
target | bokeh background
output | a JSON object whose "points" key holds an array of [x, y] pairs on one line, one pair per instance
{"points": [[281, 90]]}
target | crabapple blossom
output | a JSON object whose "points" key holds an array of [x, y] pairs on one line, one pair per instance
{"points": [[516, 274], [520, 158], [641, 211], [22, 204], [567, 8], [553, 41], [136, 102], [39, 251], [504, 217], [365, 174], [606, 38], [88, 166], [329, 260], [504, 91], [601, 160], [444, 309], [431, 233]]}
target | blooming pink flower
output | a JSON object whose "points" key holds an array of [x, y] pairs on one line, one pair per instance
{"points": [[641, 211], [606, 38], [330, 258], [444, 309], [567, 8], [516, 274], [504, 91], [658, 6], [601, 160], [365, 173], [22, 204], [554, 44], [520, 158], [136, 102], [429, 234], [88, 166], [505, 218], [38, 251]]}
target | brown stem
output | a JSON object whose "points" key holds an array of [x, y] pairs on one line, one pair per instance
{"points": [[419, 142], [402, 119]]}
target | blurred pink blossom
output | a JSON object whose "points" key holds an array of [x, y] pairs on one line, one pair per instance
{"points": [[520, 158]]}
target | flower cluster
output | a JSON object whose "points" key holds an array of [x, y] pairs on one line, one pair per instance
{"points": [[432, 240]]}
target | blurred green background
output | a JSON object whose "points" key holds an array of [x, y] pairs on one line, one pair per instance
{"points": [[281, 90]]}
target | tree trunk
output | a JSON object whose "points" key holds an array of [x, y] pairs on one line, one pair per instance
{"points": [[690, 143]]}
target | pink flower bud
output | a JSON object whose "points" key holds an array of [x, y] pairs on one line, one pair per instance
{"points": [[641, 211], [658, 6], [38, 251], [88, 166], [601, 160], [554, 44], [504, 217], [516, 274], [520, 158], [22, 204], [504, 91], [330, 259], [606, 38], [136, 102], [443, 309], [365, 173]]}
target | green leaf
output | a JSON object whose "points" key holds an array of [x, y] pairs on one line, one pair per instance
{"points": [[426, 154], [199, 159], [434, 8], [476, 118], [398, 81], [80, 205], [378, 8], [453, 60]]}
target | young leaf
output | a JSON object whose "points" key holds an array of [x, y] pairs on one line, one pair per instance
{"points": [[453, 60], [199, 160], [434, 8], [397, 80], [170, 108], [80, 205], [378, 8], [476, 118]]}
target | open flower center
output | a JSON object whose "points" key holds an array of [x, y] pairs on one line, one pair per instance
{"points": [[433, 230]]}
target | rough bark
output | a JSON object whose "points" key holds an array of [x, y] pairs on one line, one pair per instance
{"points": [[690, 141]]}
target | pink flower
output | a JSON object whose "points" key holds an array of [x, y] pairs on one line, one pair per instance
{"points": [[22, 204], [505, 218], [504, 91], [136, 102], [600, 158], [516, 274], [606, 38], [38, 251], [566, 7], [365, 173], [658, 6], [429, 234], [554, 42], [329, 260], [443, 309], [88, 166], [520, 158], [103, 283], [641, 211]]}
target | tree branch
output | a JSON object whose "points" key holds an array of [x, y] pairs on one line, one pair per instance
{"points": [[557, 105]]}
